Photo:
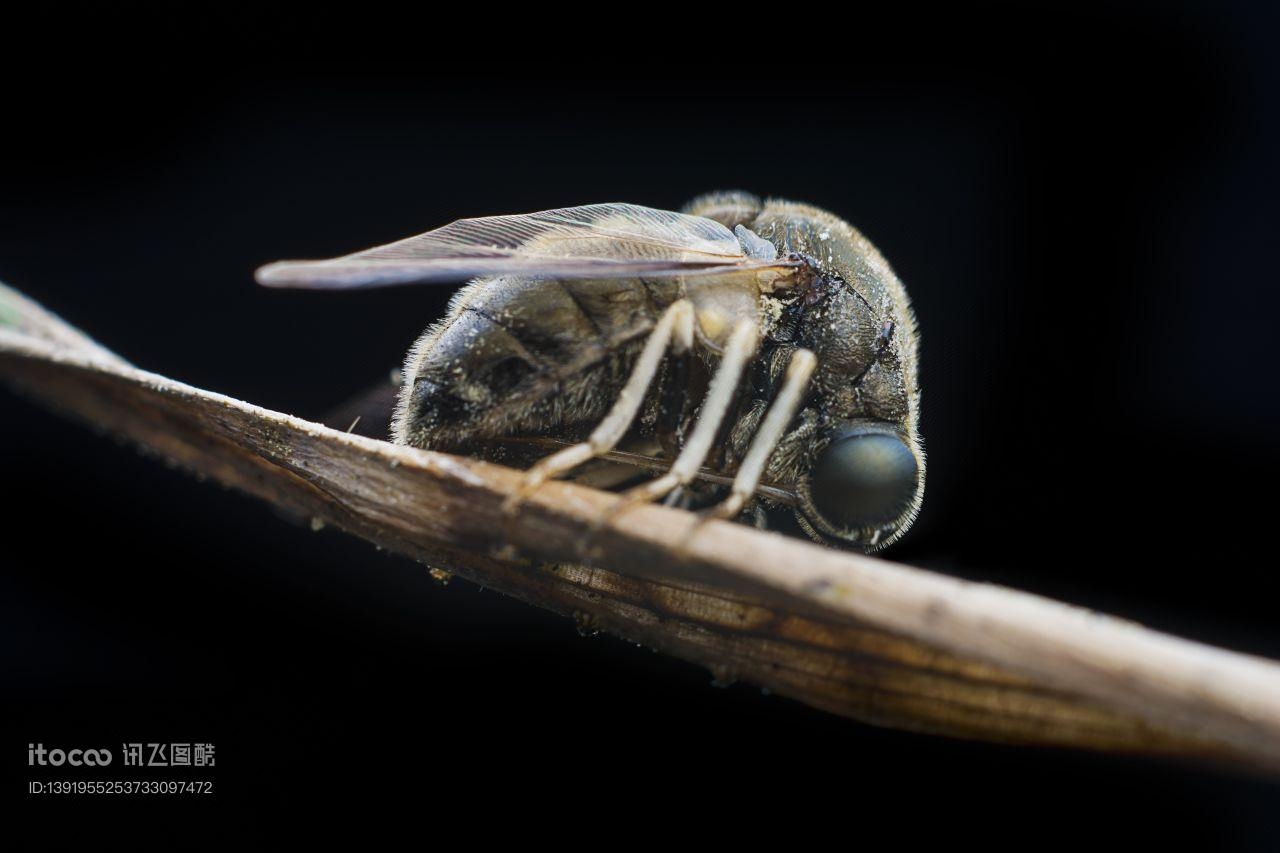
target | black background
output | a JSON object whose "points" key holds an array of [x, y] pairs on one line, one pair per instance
{"points": [[1083, 206]]}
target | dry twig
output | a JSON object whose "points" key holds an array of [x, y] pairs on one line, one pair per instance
{"points": [[857, 636]]}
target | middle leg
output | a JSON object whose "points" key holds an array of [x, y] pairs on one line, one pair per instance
{"points": [[719, 399], [673, 331], [720, 395]]}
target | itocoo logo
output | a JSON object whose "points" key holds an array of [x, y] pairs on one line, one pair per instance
{"points": [[37, 754]]}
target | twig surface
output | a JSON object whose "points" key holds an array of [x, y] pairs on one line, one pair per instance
{"points": [[858, 636]]}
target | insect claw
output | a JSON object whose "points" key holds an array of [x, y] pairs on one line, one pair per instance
{"points": [[724, 511], [533, 480], [652, 491]]}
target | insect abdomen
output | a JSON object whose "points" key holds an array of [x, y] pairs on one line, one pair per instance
{"points": [[516, 355]]}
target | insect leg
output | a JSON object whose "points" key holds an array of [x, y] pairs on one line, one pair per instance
{"points": [[724, 384], [674, 331], [775, 422], [720, 396]]}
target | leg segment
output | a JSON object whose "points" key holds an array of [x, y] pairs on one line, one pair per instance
{"points": [[768, 435], [724, 384], [720, 396], [674, 331]]}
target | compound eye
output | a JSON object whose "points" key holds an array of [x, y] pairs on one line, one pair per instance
{"points": [[864, 478]]}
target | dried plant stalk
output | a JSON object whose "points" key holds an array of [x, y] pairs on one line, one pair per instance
{"points": [[853, 635]]}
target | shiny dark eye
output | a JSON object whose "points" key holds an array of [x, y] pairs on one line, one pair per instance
{"points": [[863, 478]]}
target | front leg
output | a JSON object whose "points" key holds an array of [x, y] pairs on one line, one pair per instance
{"points": [[767, 436]]}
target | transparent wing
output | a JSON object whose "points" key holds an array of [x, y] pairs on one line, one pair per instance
{"points": [[593, 241]]}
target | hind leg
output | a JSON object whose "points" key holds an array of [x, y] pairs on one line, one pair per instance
{"points": [[674, 332]]}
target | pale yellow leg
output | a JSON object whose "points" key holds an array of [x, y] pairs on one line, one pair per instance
{"points": [[674, 331], [733, 363], [737, 355], [767, 436]]}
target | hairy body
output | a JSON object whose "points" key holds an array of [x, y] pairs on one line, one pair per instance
{"points": [[518, 357]]}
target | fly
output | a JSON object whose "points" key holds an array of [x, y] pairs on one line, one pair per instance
{"points": [[760, 355]]}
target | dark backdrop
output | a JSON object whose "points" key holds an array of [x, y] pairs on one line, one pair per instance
{"points": [[1083, 206]]}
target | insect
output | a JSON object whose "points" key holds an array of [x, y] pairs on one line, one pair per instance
{"points": [[760, 356]]}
